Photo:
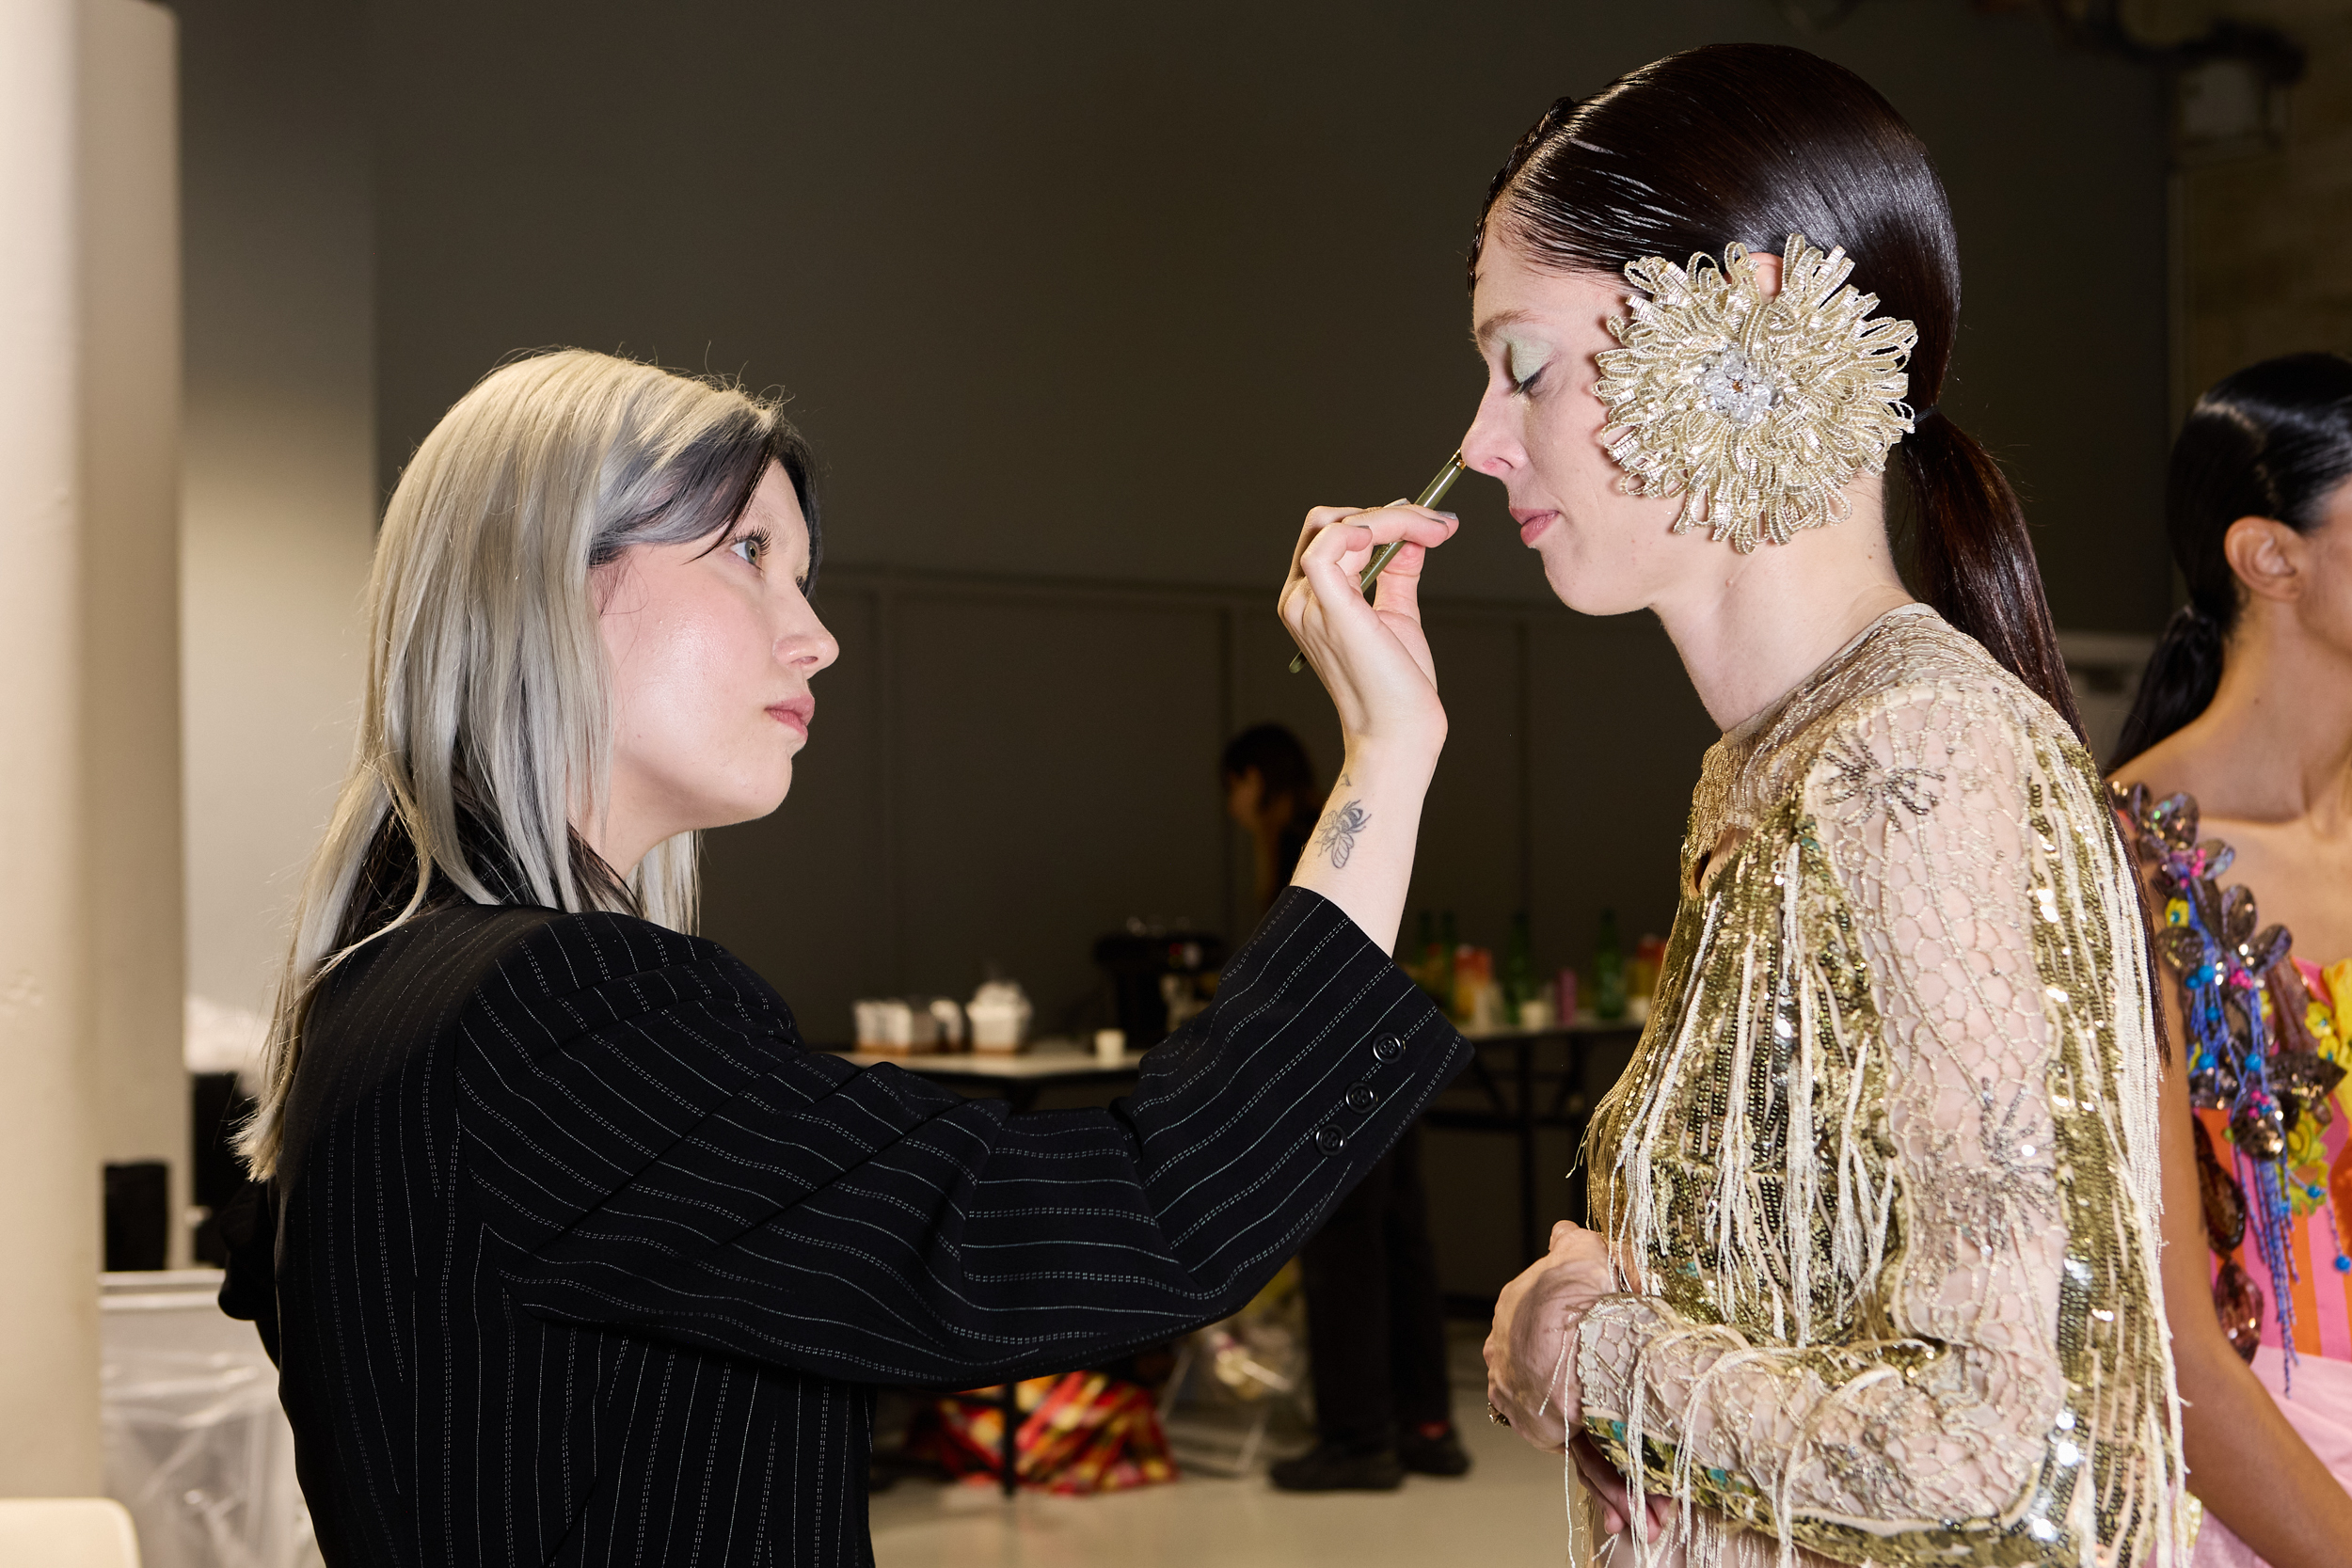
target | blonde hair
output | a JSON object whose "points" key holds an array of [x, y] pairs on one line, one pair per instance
{"points": [[486, 732]]}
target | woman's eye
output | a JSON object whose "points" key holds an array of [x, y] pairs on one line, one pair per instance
{"points": [[1523, 367], [749, 550]]}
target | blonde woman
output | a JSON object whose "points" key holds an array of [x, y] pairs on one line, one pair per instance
{"points": [[574, 1251]]}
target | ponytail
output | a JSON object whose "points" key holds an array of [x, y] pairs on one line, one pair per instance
{"points": [[2177, 683], [1975, 559]]}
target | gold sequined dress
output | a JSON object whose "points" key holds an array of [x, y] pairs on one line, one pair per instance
{"points": [[1882, 1176]]}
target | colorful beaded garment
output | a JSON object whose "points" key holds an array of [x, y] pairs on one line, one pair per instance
{"points": [[2261, 1049]]}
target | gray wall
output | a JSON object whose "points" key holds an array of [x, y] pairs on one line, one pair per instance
{"points": [[278, 482], [1117, 291]]}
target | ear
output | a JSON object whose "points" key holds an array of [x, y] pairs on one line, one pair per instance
{"points": [[1767, 273], [2270, 559]]}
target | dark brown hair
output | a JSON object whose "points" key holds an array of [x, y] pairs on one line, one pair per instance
{"points": [[1752, 143], [2274, 440]]}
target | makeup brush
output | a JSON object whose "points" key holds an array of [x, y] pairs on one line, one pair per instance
{"points": [[1430, 496]]}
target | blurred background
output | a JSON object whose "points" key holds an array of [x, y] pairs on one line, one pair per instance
{"points": [[1082, 308]]}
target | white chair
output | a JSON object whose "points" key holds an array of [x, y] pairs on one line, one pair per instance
{"points": [[65, 1532]]}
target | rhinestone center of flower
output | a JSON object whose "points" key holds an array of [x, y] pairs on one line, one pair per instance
{"points": [[1735, 388]]}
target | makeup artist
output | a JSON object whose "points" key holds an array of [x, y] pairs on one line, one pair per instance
{"points": [[571, 1248]]}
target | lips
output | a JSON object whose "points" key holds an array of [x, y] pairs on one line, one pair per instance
{"points": [[794, 715], [1532, 522]]}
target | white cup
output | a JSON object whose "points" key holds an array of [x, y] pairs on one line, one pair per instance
{"points": [[1110, 1045]]}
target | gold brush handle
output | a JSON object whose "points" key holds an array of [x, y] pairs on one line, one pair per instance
{"points": [[1431, 494]]}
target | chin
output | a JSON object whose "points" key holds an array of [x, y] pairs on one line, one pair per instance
{"points": [[1586, 590], [754, 802]]}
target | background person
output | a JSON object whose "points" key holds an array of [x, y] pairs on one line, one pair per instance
{"points": [[575, 1251], [1270, 795], [2244, 720], [1375, 1317]]}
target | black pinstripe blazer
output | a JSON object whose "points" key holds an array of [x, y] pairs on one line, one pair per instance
{"points": [[582, 1258]]}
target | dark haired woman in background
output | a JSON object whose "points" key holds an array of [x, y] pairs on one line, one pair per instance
{"points": [[1270, 795], [1876, 1272], [2243, 731]]}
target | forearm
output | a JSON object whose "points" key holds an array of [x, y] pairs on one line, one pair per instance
{"points": [[1362, 855], [2250, 1467], [1751, 1429]]}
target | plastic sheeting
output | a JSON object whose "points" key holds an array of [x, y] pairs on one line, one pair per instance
{"points": [[196, 1446]]}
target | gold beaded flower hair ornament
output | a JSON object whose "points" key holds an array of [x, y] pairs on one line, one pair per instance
{"points": [[1759, 410]]}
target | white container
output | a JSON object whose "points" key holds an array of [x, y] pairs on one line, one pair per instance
{"points": [[949, 1017], [1110, 1045], [999, 1014], [895, 1026]]}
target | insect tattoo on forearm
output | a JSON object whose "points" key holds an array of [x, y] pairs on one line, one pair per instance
{"points": [[1336, 836]]}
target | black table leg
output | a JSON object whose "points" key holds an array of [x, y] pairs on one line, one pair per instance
{"points": [[1009, 1453]]}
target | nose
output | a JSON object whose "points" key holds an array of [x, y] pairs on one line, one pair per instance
{"points": [[1492, 445], [808, 647]]}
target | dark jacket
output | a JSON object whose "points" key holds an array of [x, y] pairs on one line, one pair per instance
{"points": [[582, 1258]]}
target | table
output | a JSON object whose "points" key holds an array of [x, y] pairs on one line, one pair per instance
{"points": [[1518, 1108]]}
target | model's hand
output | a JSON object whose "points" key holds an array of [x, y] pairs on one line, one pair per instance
{"points": [[1531, 1353], [1601, 1478], [1371, 657]]}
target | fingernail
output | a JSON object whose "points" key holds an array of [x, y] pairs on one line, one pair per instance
{"points": [[1449, 516]]}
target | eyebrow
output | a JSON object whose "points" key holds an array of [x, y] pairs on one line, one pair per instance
{"points": [[1486, 330]]}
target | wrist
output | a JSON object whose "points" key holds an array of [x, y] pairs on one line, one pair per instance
{"points": [[1392, 762]]}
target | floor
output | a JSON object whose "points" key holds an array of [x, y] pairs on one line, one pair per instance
{"points": [[1505, 1513]]}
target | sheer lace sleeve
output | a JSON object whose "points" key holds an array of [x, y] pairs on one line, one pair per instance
{"points": [[1879, 1248]]}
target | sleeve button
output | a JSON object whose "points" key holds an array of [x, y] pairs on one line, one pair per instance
{"points": [[1330, 1139], [1388, 1048], [1362, 1097]]}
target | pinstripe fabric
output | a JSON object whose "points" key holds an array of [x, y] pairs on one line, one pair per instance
{"points": [[582, 1259]]}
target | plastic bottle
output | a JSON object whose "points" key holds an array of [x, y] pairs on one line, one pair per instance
{"points": [[1608, 1000]]}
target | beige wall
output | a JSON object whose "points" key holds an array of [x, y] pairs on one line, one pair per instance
{"points": [[279, 480]]}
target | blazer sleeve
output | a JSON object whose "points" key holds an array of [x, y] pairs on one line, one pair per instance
{"points": [[643, 1129]]}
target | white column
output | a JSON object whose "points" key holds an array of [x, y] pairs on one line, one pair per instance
{"points": [[49, 1191], [130, 397]]}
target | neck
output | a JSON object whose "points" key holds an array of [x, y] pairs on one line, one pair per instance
{"points": [[1754, 628], [2276, 737], [619, 840]]}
